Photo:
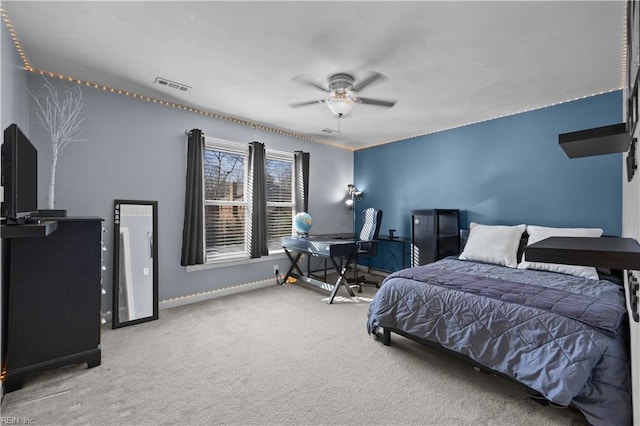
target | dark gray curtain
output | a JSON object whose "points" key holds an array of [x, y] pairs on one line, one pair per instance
{"points": [[193, 228], [258, 245], [301, 184]]}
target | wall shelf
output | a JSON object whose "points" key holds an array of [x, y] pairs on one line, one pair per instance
{"points": [[29, 230], [603, 252], [598, 141]]}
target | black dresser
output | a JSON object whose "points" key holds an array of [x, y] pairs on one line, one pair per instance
{"points": [[51, 296]]}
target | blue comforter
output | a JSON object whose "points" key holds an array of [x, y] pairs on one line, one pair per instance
{"points": [[560, 335]]}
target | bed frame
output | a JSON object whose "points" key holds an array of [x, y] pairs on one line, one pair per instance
{"points": [[385, 335]]}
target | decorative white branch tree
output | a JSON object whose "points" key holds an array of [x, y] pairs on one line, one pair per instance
{"points": [[60, 116]]}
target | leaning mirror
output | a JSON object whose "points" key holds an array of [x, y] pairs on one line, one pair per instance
{"points": [[135, 262]]}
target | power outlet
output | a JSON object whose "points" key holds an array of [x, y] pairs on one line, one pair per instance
{"points": [[276, 270]]}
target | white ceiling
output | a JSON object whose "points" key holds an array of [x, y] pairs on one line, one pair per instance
{"points": [[447, 63]]}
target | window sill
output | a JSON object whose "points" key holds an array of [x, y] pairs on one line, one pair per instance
{"points": [[234, 263]]}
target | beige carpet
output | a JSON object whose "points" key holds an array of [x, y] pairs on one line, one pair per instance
{"points": [[278, 355]]}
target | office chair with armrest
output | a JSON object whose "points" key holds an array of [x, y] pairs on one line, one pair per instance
{"points": [[367, 245]]}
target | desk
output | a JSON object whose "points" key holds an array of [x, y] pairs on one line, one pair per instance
{"points": [[320, 246], [336, 236]]}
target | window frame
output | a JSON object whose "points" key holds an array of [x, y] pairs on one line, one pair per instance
{"points": [[284, 156], [222, 145]]}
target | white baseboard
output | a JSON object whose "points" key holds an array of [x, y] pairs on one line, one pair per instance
{"points": [[213, 294], [200, 297], [227, 291]]}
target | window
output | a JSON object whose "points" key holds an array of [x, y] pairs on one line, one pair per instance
{"points": [[227, 219], [225, 206], [279, 176]]}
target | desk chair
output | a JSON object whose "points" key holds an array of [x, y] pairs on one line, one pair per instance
{"points": [[367, 245]]}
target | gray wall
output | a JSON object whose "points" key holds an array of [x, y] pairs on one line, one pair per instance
{"points": [[12, 107], [136, 149], [12, 83]]}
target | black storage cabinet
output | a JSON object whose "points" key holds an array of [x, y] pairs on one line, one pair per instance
{"points": [[51, 298], [435, 234]]}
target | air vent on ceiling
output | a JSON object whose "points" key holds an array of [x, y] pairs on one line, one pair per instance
{"points": [[178, 86], [327, 130]]}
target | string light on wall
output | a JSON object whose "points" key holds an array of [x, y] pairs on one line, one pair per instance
{"points": [[624, 50], [489, 119], [186, 108], [16, 42], [29, 67]]}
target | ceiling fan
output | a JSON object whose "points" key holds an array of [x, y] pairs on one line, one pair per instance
{"points": [[342, 93]]}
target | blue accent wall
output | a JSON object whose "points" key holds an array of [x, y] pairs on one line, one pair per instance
{"points": [[508, 170]]}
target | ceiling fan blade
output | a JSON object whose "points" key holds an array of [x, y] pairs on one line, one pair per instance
{"points": [[308, 82], [301, 104], [367, 81], [377, 102]]}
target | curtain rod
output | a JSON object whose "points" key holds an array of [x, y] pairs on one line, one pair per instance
{"points": [[186, 132]]}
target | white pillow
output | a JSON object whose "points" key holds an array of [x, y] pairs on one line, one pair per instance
{"points": [[493, 244], [538, 233]]}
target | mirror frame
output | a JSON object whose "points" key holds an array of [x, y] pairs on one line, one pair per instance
{"points": [[115, 322]]}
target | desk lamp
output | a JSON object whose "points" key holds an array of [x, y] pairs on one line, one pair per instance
{"points": [[353, 195]]}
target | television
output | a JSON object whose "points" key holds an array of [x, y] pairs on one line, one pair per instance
{"points": [[19, 177]]}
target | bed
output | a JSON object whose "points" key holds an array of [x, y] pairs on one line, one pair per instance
{"points": [[563, 334]]}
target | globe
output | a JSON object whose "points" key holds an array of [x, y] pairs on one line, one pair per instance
{"points": [[302, 223]]}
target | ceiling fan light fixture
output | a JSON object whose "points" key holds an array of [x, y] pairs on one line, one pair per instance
{"points": [[340, 106]]}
